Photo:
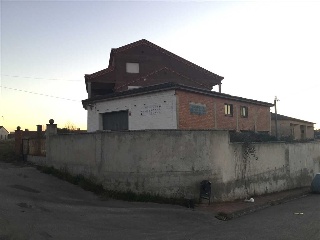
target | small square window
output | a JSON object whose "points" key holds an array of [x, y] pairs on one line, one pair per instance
{"points": [[244, 111], [132, 67], [228, 109]]}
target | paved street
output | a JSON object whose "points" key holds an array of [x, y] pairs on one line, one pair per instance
{"points": [[34, 205]]}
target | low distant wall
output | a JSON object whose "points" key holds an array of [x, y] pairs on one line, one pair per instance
{"points": [[36, 147], [172, 163]]}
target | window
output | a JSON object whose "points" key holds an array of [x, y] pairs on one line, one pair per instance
{"points": [[292, 129], [198, 109], [228, 109], [244, 111], [132, 67]]}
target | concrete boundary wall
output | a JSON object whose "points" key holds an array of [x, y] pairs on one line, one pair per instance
{"points": [[172, 163]]}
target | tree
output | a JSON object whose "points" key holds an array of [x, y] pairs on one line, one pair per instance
{"points": [[70, 126]]}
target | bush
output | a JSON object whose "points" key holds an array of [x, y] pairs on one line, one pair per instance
{"points": [[7, 153], [251, 136]]}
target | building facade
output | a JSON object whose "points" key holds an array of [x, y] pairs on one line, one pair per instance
{"points": [[3, 133], [143, 63], [148, 87], [175, 106], [291, 127]]}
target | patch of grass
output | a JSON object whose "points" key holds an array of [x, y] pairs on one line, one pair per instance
{"points": [[7, 151], [90, 184]]}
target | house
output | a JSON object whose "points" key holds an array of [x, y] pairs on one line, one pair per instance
{"points": [[143, 63], [3, 133], [292, 127], [148, 87], [175, 106]]}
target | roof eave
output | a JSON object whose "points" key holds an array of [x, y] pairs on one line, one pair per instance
{"points": [[167, 87]]}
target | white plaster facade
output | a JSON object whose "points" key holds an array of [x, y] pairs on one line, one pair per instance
{"points": [[148, 111], [3, 133]]}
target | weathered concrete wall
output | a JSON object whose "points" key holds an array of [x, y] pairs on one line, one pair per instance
{"points": [[172, 163], [260, 168], [169, 163]]}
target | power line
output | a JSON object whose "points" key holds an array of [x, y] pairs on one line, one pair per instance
{"points": [[41, 94], [51, 79]]}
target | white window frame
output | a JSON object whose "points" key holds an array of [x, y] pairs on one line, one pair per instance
{"points": [[244, 111], [228, 109]]}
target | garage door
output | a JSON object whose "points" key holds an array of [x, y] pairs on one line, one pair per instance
{"points": [[115, 121]]}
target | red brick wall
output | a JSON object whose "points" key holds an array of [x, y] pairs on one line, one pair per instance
{"points": [[258, 116], [150, 60]]}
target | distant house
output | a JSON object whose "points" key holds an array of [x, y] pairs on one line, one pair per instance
{"points": [[148, 87], [292, 127], [3, 133]]}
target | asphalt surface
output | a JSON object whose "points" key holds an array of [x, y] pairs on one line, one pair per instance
{"points": [[34, 205]]}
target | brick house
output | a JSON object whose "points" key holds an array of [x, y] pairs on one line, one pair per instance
{"points": [[292, 127], [143, 63], [147, 87], [3, 133], [175, 106]]}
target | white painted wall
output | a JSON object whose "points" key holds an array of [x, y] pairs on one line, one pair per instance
{"points": [[149, 111], [3, 134]]}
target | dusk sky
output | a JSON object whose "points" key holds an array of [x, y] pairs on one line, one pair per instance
{"points": [[262, 49]]}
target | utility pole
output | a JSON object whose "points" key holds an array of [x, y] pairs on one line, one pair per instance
{"points": [[276, 117]]}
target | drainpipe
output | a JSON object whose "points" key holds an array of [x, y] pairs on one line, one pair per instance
{"points": [[276, 117]]}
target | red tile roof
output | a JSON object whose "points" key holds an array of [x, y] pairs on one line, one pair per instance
{"points": [[160, 70], [150, 44], [99, 73]]}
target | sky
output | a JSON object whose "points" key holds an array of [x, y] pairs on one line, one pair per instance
{"points": [[262, 49]]}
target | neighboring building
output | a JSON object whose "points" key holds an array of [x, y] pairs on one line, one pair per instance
{"points": [[143, 63], [176, 106], [3, 133], [292, 127], [148, 87], [317, 134]]}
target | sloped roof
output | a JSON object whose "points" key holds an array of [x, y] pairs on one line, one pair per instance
{"points": [[166, 52], [161, 70], [154, 46], [282, 117], [4, 128], [99, 73], [166, 87]]}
